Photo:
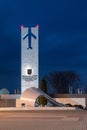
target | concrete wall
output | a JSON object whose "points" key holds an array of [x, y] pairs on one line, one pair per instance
{"points": [[72, 101], [9, 96], [79, 99], [8, 100], [15, 101], [19, 103], [8, 103]]}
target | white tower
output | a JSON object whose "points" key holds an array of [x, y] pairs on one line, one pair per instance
{"points": [[29, 58]]}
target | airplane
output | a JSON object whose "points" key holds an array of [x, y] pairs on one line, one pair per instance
{"points": [[29, 35]]}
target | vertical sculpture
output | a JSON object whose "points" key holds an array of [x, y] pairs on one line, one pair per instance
{"points": [[29, 57]]}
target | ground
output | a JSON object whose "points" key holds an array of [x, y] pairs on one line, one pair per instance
{"points": [[44, 120]]}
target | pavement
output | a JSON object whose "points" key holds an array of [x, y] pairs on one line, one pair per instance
{"points": [[43, 120], [35, 108]]}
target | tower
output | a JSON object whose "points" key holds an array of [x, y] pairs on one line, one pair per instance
{"points": [[29, 57]]}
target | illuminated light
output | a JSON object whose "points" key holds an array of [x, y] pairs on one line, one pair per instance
{"points": [[37, 26], [22, 26]]}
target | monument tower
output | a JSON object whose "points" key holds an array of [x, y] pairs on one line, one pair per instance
{"points": [[29, 57], [30, 92]]}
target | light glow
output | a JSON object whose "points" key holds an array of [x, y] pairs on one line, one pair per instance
{"points": [[22, 26], [37, 26]]}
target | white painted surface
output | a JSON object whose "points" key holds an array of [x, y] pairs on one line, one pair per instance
{"points": [[80, 101], [29, 59], [73, 101]]}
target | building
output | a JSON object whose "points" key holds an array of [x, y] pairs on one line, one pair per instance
{"points": [[30, 92]]}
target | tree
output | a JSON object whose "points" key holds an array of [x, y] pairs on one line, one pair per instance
{"points": [[61, 81], [43, 87]]}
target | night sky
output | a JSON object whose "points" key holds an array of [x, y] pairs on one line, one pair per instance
{"points": [[63, 37]]}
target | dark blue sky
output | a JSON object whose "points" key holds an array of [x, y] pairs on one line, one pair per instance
{"points": [[63, 37]]}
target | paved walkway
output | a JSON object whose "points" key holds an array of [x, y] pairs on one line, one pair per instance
{"points": [[44, 120], [35, 108], [80, 124]]}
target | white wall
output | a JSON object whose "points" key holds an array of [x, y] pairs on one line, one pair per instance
{"points": [[29, 59], [73, 101]]}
